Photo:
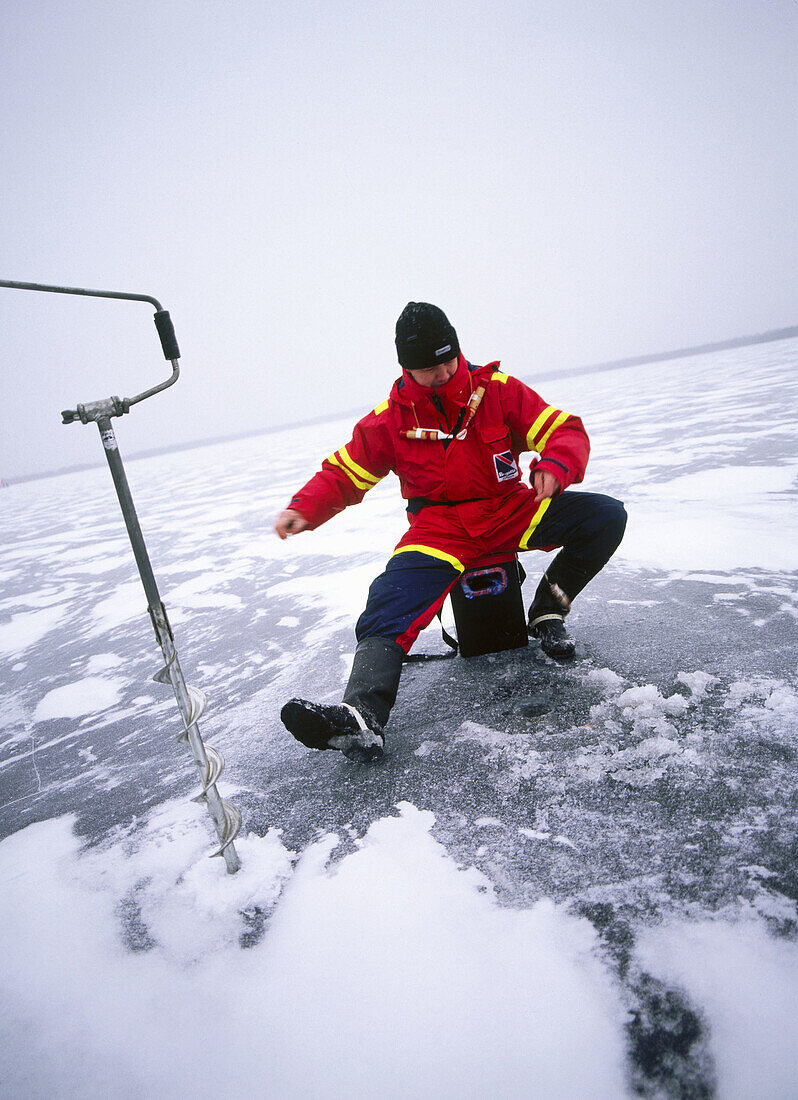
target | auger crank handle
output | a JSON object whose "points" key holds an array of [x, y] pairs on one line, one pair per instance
{"points": [[114, 406]]}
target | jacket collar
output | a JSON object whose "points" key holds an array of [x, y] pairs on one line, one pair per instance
{"points": [[456, 391]]}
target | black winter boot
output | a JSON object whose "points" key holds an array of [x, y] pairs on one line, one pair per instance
{"points": [[551, 604], [354, 726], [332, 726], [554, 639]]}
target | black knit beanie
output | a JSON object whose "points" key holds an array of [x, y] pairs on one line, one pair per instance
{"points": [[424, 337]]}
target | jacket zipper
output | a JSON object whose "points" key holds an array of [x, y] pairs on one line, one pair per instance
{"points": [[436, 401]]}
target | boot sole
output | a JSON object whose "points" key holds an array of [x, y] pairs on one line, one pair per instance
{"points": [[353, 748], [567, 655]]}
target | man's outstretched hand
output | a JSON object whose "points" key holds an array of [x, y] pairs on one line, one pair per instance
{"points": [[290, 522], [545, 485]]}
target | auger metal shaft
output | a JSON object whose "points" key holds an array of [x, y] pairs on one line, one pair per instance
{"points": [[226, 818], [190, 701]]}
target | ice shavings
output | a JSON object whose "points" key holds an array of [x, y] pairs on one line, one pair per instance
{"points": [[646, 706], [394, 938], [512, 755], [698, 683], [657, 745], [764, 701], [609, 682]]}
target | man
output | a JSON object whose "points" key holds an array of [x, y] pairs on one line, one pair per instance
{"points": [[453, 434]]}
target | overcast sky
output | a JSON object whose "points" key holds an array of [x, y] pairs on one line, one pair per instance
{"points": [[571, 181]]}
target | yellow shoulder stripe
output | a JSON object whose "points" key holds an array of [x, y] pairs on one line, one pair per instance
{"points": [[383, 405], [499, 376]]}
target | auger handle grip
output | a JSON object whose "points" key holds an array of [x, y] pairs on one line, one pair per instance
{"points": [[166, 331]]}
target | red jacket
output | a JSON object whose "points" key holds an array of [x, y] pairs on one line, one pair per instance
{"points": [[483, 466]]}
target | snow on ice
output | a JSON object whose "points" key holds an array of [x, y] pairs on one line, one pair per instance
{"points": [[74, 700], [394, 973]]}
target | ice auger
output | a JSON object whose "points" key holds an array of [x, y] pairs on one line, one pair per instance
{"points": [[190, 700]]}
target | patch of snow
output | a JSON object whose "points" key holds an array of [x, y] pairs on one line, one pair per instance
{"points": [[457, 996], [103, 662], [201, 592], [126, 602], [337, 598], [565, 841], [27, 628], [82, 697]]}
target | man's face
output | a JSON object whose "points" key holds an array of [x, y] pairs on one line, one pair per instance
{"points": [[433, 377]]}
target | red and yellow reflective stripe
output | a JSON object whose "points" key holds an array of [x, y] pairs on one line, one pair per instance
{"points": [[359, 477], [541, 443], [536, 439], [433, 553], [353, 466], [364, 485], [538, 516]]}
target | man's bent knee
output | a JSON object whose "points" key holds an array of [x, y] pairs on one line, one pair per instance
{"points": [[615, 518]]}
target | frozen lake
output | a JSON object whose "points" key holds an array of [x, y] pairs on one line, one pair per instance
{"points": [[596, 901]]}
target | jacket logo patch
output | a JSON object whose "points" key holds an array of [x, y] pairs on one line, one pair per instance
{"points": [[506, 468]]}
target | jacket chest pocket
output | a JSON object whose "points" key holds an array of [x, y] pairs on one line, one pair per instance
{"points": [[497, 448], [494, 435]]}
